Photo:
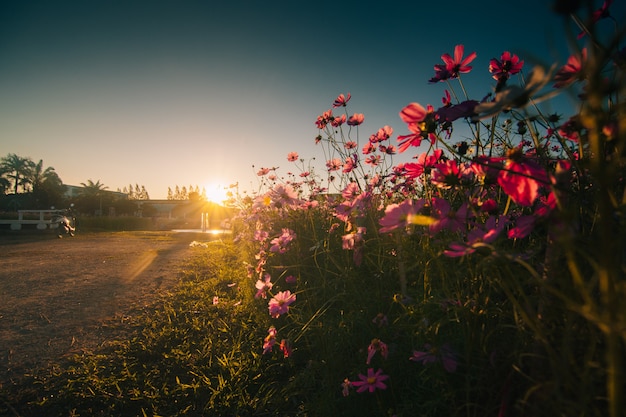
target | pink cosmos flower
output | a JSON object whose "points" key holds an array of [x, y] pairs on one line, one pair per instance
{"points": [[383, 134], [263, 171], [341, 100], [450, 113], [380, 320], [453, 66], [371, 381], [279, 304], [349, 165], [281, 243], [351, 191], [334, 164], [260, 235], [368, 148], [398, 215], [521, 178], [292, 156], [421, 122], [345, 387], [447, 174], [263, 286], [338, 120], [270, 340], [376, 345], [572, 71], [423, 165], [601, 13], [522, 228], [352, 240], [285, 347], [350, 145], [324, 119], [389, 150], [454, 221], [356, 119], [283, 195], [290, 279], [508, 65], [373, 160], [476, 237], [432, 354]]}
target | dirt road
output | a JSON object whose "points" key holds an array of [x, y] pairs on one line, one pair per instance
{"points": [[57, 296]]}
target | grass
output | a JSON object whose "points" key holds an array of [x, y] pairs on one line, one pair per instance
{"points": [[185, 356]]}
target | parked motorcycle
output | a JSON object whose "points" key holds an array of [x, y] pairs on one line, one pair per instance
{"points": [[65, 221]]}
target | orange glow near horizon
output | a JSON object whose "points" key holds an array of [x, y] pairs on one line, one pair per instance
{"points": [[215, 193]]}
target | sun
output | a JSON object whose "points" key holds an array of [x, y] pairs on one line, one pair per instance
{"points": [[215, 193]]}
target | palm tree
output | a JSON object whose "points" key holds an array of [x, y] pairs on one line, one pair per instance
{"points": [[47, 186], [92, 195], [92, 189], [40, 176], [17, 169]]}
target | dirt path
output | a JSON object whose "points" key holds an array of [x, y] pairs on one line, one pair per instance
{"points": [[57, 295]]}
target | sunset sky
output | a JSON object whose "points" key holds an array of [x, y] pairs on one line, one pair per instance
{"points": [[166, 93]]}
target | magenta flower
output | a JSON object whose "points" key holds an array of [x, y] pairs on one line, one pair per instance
{"points": [[341, 100], [324, 119], [447, 174], [338, 120], [371, 381], [453, 66], [383, 134], [572, 71], [345, 387], [351, 191], [349, 164], [398, 215], [334, 164], [450, 113], [522, 178], [263, 286], [285, 347], [508, 65], [281, 243], [477, 237], [356, 119], [376, 345], [522, 228], [352, 240], [454, 221], [601, 13], [432, 354], [424, 164], [279, 304], [270, 340], [421, 122]]}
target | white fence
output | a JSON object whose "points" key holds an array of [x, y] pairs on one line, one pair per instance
{"points": [[43, 222]]}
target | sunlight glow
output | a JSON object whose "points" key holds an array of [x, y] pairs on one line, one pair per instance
{"points": [[215, 193]]}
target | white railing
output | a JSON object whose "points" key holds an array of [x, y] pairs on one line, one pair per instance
{"points": [[43, 222]]}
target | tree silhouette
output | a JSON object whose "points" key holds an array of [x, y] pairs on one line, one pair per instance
{"points": [[18, 170], [48, 188]]}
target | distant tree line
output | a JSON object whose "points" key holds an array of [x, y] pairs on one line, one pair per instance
{"points": [[136, 192], [183, 193], [26, 185]]}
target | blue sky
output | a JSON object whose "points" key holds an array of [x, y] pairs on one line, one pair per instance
{"points": [[166, 93]]}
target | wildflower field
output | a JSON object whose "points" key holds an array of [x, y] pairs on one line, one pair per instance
{"points": [[483, 278]]}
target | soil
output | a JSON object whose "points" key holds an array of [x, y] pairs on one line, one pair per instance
{"points": [[61, 296]]}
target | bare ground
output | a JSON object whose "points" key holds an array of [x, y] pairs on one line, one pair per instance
{"points": [[60, 296]]}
